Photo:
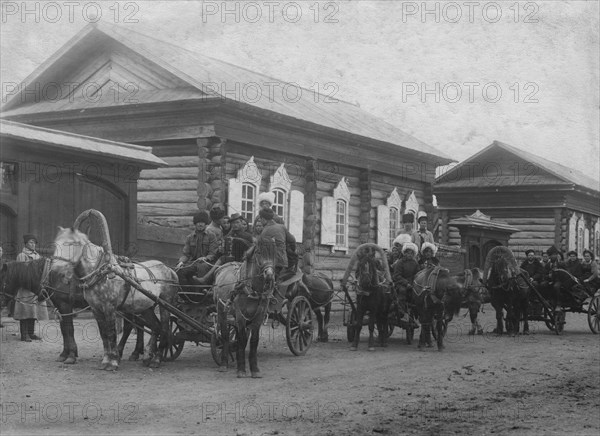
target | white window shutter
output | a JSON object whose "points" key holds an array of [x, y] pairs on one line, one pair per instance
{"points": [[328, 221], [296, 215], [383, 226], [234, 198]]}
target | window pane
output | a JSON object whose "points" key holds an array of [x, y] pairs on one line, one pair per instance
{"points": [[248, 202], [393, 224], [340, 223], [279, 204]]}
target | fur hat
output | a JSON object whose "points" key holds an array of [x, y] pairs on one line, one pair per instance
{"points": [[408, 218], [28, 237], [235, 217], [266, 196], [201, 217], [588, 251], [553, 250], [410, 246], [531, 250], [572, 252], [266, 214], [429, 245], [216, 213], [402, 239], [421, 215]]}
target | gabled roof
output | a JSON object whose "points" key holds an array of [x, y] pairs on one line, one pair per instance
{"points": [[74, 143], [482, 221], [215, 77], [546, 172]]}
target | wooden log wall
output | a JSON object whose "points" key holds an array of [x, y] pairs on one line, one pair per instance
{"points": [[169, 196]]}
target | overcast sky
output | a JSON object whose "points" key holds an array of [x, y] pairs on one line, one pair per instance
{"points": [[542, 56]]}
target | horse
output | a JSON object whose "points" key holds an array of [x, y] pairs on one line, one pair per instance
{"points": [[64, 298], [251, 284], [372, 292], [437, 299], [106, 291], [318, 289], [474, 295], [508, 289]]}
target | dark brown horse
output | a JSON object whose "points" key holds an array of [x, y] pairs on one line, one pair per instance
{"points": [[252, 284], [373, 283], [509, 291], [67, 300], [437, 299]]}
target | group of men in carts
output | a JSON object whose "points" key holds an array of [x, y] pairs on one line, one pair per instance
{"points": [[542, 274], [218, 239], [216, 235]]}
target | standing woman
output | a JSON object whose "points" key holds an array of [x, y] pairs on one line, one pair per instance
{"points": [[27, 307]]}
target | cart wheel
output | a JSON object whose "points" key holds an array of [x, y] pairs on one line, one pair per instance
{"points": [[351, 327], [549, 320], [216, 344], [594, 314], [174, 350], [299, 326]]}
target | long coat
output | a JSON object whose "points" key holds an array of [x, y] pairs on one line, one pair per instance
{"points": [[27, 305], [271, 244]]}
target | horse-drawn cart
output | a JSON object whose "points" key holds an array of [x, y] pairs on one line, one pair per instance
{"points": [[575, 298], [192, 313]]}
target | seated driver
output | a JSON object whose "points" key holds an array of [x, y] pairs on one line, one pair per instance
{"points": [[403, 274]]}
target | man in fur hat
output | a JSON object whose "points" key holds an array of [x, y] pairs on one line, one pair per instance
{"points": [[241, 240], [534, 268], [574, 264], [428, 259], [200, 247], [551, 288], [422, 235], [271, 243], [404, 271], [265, 201]]}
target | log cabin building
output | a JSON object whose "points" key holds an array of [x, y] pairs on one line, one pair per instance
{"points": [[341, 176], [548, 203]]}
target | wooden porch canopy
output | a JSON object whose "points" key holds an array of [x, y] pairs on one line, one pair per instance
{"points": [[479, 234]]}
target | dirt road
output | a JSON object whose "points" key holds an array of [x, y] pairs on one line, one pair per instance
{"points": [[537, 384]]}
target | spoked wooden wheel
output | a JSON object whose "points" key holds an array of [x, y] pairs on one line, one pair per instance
{"points": [[594, 314], [299, 326], [174, 350], [216, 344]]}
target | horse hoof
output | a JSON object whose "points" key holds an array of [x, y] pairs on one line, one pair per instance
{"points": [[111, 367], [134, 357], [471, 332], [61, 358], [480, 332], [256, 374], [241, 374], [352, 348], [154, 365], [441, 348], [222, 368], [526, 333], [146, 362], [70, 361], [429, 345]]}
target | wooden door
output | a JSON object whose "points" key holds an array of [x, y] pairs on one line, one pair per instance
{"points": [[59, 203]]}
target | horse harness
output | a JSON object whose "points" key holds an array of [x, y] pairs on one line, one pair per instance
{"points": [[430, 285]]}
